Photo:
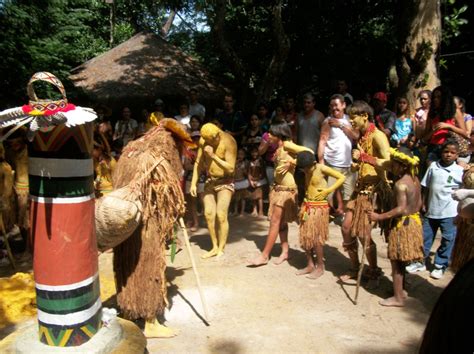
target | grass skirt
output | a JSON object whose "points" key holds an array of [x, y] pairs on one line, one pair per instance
{"points": [[405, 241], [286, 199], [463, 250], [314, 226], [361, 226]]}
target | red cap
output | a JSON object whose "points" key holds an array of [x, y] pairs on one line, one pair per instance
{"points": [[381, 96]]}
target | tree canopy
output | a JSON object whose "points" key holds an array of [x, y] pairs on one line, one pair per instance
{"points": [[261, 51]]}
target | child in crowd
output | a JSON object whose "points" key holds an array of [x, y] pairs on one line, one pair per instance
{"points": [[253, 135], [404, 124], [189, 158], [441, 178], [104, 165], [279, 116], [241, 182], [117, 147], [405, 240], [257, 180], [314, 212]]}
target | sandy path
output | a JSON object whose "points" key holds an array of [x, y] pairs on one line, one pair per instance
{"points": [[271, 310]]}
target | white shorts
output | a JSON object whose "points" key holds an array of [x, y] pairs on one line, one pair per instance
{"points": [[243, 184], [261, 182]]}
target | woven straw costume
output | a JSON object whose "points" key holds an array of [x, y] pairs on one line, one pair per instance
{"points": [[150, 168]]}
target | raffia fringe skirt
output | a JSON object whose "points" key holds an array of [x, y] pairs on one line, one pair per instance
{"points": [[285, 198], [463, 250], [361, 225], [140, 265], [314, 227], [405, 242]]}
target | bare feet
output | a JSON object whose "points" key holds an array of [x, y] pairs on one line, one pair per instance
{"points": [[254, 213], [241, 215], [351, 274], [258, 261], [283, 257], [316, 273], [212, 253], [393, 302], [156, 330], [306, 270]]}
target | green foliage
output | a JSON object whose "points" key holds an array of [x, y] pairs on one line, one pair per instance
{"points": [[47, 35], [452, 20]]}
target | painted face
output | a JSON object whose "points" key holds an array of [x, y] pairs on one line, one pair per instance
{"points": [[449, 154], [210, 134], [424, 100], [359, 121], [337, 108]]}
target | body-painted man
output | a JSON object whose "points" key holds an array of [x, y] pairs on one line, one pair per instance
{"points": [[371, 187], [217, 154]]}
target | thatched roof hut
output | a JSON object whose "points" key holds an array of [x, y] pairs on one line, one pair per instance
{"points": [[144, 68]]}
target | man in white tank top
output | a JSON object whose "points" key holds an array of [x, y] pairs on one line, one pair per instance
{"points": [[335, 148]]}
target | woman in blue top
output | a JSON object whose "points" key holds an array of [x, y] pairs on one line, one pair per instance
{"points": [[404, 124]]}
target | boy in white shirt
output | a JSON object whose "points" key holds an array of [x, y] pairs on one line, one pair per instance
{"points": [[441, 178]]}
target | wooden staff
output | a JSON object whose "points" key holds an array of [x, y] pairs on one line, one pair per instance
{"points": [[196, 274], [364, 250], [7, 244]]}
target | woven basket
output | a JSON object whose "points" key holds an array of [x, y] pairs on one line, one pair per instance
{"points": [[116, 218]]}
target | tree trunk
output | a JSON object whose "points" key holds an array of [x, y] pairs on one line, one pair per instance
{"points": [[420, 36], [167, 26], [238, 68], [280, 54]]}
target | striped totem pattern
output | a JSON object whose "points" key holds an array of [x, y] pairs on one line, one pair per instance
{"points": [[63, 231]]}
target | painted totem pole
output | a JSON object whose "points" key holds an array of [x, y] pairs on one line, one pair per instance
{"points": [[61, 214]]}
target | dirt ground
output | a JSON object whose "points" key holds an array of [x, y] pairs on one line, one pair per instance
{"points": [[271, 310]]}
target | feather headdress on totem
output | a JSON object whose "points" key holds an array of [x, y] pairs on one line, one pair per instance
{"points": [[411, 161], [44, 113]]}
